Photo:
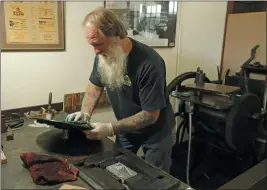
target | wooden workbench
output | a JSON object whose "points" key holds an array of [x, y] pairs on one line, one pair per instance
{"points": [[15, 176], [48, 140]]}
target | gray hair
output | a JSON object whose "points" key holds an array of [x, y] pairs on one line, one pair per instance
{"points": [[106, 21]]}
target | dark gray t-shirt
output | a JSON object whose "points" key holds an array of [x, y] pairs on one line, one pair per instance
{"points": [[146, 89]]}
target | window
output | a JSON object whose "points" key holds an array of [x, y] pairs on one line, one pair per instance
{"points": [[172, 7]]}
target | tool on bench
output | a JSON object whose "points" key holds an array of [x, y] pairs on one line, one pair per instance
{"points": [[11, 123], [9, 135], [15, 124], [14, 121], [46, 112], [200, 77], [13, 117], [49, 108]]}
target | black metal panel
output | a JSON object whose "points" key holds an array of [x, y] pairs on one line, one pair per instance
{"points": [[241, 128], [249, 6], [148, 176], [261, 185], [102, 178], [248, 179]]}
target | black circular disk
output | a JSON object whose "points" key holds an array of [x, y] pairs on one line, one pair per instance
{"points": [[241, 129], [76, 146]]}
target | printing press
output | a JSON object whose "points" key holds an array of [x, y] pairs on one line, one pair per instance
{"points": [[226, 125]]}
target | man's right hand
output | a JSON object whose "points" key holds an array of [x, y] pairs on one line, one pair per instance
{"points": [[80, 117]]}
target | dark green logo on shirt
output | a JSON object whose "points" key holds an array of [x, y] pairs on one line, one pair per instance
{"points": [[127, 80]]}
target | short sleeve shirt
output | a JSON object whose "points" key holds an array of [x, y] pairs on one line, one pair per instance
{"points": [[144, 88]]}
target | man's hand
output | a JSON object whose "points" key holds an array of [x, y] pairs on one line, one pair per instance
{"points": [[80, 117], [100, 131]]}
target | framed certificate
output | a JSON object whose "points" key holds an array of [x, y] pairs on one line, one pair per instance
{"points": [[33, 25]]}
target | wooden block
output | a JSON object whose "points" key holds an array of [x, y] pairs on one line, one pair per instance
{"points": [[66, 186], [9, 135], [3, 158]]}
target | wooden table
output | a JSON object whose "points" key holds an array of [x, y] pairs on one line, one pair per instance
{"points": [[29, 139], [48, 140]]}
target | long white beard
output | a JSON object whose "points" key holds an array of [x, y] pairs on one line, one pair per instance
{"points": [[112, 67]]}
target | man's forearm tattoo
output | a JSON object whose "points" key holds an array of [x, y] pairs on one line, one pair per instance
{"points": [[144, 119], [139, 120], [90, 101]]}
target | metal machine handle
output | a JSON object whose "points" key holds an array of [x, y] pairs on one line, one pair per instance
{"points": [[265, 99], [189, 107], [50, 99]]}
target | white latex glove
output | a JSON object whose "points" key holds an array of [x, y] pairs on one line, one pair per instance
{"points": [[80, 117], [100, 131]]}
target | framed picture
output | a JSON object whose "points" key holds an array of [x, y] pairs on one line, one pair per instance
{"points": [[150, 22], [32, 25]]}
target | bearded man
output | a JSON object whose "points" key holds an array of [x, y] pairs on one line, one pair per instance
{"points": [[135, 78]]}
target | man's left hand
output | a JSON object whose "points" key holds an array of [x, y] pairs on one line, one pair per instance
{"points": [[100, 131]]}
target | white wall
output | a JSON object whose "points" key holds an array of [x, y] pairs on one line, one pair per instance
{"points": [[201, 37], [27, 78]]}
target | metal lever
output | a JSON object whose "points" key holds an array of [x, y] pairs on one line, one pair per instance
{"points": [[189, 107], [265, 99], [50, 99]]}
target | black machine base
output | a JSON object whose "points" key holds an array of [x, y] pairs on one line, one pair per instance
{"points": [[94, 171], [209, 169]]}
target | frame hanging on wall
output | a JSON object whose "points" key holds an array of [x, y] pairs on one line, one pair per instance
{"points": [[33, 25], [150, 22]]}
